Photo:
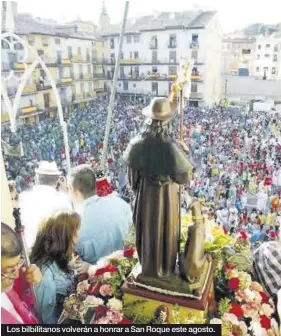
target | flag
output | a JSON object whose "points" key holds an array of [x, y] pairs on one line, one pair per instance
{"points": [[13, 150]]}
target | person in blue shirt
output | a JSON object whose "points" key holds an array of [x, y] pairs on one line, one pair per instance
{"points": [[53, 253], [105, 220]]}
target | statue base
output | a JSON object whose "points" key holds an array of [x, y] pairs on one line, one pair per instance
{"points": [[141, 303]]}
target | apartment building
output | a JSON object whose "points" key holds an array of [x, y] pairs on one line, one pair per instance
{"points": [[153, 47], [268, 57], [69, 51], [238, 56]]}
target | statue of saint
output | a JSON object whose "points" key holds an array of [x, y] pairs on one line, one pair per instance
{"points": [[157, 165]]}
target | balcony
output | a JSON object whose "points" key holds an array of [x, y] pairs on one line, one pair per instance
{"points": [[65, 81], [98, 60], [130, 61], [43, 85], [99, 90], [83, 97], [172, 44], [50, 62], [153, 44], [28, 109], [64, 62], [79, 59], [99, 75], [196, 77], [52, 107], [196, 96], [4, 117], [87, 76], [173, 76], [194, 45], [29, 89], [18, 66]]}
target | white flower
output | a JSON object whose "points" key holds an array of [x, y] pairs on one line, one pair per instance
{"points": [[230, 317], [114, 303], [216, 321], [93, 301], [107, 275], [256, 328], [266, 310], [135, 255], [92, 270]]}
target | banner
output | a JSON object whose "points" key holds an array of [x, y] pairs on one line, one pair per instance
{"points": [[156, 329], [13, 150]]}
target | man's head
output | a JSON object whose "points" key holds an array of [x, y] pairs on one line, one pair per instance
{"points": [[47, 173], [11, 260], [83, 183]]}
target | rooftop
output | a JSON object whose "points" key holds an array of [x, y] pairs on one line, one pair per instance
{"points": [[164, 20]]}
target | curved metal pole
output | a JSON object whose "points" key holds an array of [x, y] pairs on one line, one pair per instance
{"points": [[113, 89]]}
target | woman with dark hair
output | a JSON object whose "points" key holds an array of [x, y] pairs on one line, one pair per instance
{"points": [[52, 252], [13, 309]]}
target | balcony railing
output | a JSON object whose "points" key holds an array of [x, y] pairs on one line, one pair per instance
{"points": [[29, 88], [78, 58], [99, 75], [172, 75], [196, 77], [194, 45], [130, 61], [43, 85], [153, 44], [64, 62], [52, 106], [28, 109], [172, 44], [18, 66], [196, 95], [4, 116], [87, 76], [65, 81]]}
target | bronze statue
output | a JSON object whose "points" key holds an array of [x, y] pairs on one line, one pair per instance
{"points": [[157, 165]]}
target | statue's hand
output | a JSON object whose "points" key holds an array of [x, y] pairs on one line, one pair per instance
{"points": [[195, 206]]}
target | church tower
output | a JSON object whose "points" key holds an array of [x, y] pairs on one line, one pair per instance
{"points": [[104, 17]]}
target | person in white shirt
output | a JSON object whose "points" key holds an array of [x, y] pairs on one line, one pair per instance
{"points": [[42, 200]]}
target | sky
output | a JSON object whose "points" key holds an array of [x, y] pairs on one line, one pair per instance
{"points": [[234, 14]]}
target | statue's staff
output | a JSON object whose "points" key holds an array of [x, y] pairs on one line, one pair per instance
{"points": [[19, 228], [113, 90], [183, 78]]}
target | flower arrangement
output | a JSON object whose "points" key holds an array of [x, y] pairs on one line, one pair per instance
{"points": [[101, 290], [247, 310]]}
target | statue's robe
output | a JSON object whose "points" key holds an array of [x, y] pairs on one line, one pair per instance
{"points": [[156, 167]]}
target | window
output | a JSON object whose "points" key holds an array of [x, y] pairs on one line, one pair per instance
{"points": [[122, 73], [194, 87], [131, 55], [137, 71], [246, 51], [134, 85], [125, 85], [69, 49], [82, 87], [258, 56], [259, 46], [45, 41], [136, 39], [154, 87], [228, 46], [80, 71], [5, 44], [257, 69], [273, 71], [154, 42], [18, 46], [112, 43], [275, 58], [79, 51], [154, 69], [265, 68], [266, 55], [57, 40], [136, 54], [154, 56], [276, 47], [88, 54], [40, 52], [89, 68], [129, 39], [172, 70], [30, 39], [267, 45], [173, 41], [173, 56]]}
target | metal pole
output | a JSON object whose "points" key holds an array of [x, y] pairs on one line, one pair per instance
{"points": [[113, 88]]}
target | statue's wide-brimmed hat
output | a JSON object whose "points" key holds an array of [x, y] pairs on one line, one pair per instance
{"points": [[160, 108], [48, 168]]}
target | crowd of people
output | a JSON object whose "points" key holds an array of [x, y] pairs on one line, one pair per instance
{"points": [[237, 177]]}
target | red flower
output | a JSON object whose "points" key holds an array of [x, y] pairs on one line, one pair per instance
{"points": [[228, 267], [236, 310], [225, 230], [125, 321], [264, 297], [108, 268], [129, 252], [94, 289], [233, 284], [100, 312], [243, 235], [265, 322]]}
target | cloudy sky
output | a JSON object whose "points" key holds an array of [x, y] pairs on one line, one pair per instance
{"points": [[234, 14]]}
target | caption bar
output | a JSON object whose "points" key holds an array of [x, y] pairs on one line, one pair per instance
{"points": [[190, 329]]}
